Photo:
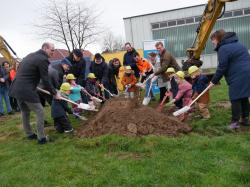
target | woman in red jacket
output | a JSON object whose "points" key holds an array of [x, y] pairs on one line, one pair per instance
{"points": [[12, 75]]}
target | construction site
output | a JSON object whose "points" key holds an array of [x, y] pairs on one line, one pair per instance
{"points": [[168, 108]]}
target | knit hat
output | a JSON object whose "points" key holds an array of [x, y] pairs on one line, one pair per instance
{"points": [[66, 61], [78, 52]]}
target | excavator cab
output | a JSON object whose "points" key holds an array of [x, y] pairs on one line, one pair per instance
{"points": [[4, 51]]}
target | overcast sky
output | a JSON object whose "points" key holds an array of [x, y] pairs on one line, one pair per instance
{"points": [[18, 16]]}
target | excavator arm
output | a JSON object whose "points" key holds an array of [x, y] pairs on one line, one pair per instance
{"points": [[4, 51], [214, 10]]}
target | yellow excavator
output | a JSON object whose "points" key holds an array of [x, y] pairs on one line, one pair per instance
{"points": [[4, 51], [213, 11]]}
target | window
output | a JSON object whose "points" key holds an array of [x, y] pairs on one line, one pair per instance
{"points": [[247, 11], [155, 26], [238, 13], [171, 23], [197, 19], [163, 24], [228, 14], [189, 20], [180, 22]]}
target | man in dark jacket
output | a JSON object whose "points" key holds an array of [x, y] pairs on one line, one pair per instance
{"points": [[32, 69], [128, 59], [78, 67], [100, 68], [234, 65]]}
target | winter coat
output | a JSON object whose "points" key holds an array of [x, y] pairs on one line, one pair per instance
{"points": [[12, 74], [144, 66], [129, 80], [167, 61], [78, 70], [32, 68], [100, 71], [59, 108], [200, 84], [156, 67], [5, 75], [92, 88], [184, 92], [128, 60], [234, 65], [56, 73], [112, 75], [75, 94], [174, 86]]}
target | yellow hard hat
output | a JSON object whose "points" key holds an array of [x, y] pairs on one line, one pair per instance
{"points": [[128, 69], [170, 70], [65, 87], [91, 76], [70, 77], [192, 69], [180, 74]]}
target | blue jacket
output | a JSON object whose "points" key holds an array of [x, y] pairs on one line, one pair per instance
{"points": [[200, 84], [234, 64], [75, 94], [59, 108]]}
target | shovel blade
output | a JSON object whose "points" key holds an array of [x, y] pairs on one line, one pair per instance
{"points": [[97, 100], [86, 107], [181, 111], [146, 101]]}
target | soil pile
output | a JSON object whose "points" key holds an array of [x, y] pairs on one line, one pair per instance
{"points": [[126, 117]]}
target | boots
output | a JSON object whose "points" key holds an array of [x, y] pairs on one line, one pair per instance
{"points": [[244, 121]]}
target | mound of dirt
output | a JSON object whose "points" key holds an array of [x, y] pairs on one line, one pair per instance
{"points": [[125, 117]]}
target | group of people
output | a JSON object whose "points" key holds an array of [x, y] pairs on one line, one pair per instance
{"points": [[67, 80]]}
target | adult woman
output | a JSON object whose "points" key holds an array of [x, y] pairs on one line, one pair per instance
{"points": [[234, 64], [113, 74], [12, 74]]}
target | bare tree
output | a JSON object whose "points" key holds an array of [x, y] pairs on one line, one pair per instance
{"points": [[112, 43], [69, 23]]}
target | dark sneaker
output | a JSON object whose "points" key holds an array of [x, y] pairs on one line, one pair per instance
{"points": [[11, 112], [244, 122], [43, 140], [234, 125], [32, 137]]}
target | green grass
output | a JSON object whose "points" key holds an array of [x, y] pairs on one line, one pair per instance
{"points": [[209, 156]]}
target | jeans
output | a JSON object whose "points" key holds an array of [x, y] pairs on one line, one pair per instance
{"points": [[4, 96], [240, 108]]}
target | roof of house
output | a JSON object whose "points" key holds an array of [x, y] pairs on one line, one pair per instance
{"points": [[59, 54]]}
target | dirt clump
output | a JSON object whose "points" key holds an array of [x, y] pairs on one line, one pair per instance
{"points": [[126, 117]]}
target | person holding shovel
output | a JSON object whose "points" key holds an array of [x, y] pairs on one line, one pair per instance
{"points": [[199, 84], [129, 81]]}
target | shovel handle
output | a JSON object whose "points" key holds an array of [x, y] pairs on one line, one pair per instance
{"points": [[201, 94]]}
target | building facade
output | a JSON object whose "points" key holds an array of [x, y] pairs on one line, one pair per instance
{"points": [[178, 28]]}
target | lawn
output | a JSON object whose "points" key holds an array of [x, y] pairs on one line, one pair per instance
{"points": [[210, 156]]}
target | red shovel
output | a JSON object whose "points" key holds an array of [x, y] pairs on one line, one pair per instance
{"points": [[160, 107]]}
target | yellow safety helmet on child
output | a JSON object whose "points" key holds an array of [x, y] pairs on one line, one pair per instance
{"points": [[91, 76], [180, 74], [170, 70], [192, 69], [65, 87], [70, 77]]}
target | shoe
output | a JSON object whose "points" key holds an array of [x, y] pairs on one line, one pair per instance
{"points": [[11, 113], [32, 137], [43, 140], [1, 114], [68, 131], [234, 125], [244, 122]]}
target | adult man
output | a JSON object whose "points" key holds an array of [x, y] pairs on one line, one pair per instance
{"points": [[100, 68], [78, 66], [128, 59], [32, 69]]}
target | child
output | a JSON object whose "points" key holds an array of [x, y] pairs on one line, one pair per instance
{"points": [[75, 94], [174, 86], [129, 81], [59, 109], [92, 86], [184, 92], [200, 83]]}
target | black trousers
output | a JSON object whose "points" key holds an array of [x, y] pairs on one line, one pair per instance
{"points": [[62, 123], [14, 105], [162, 93], [240, 108]]}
